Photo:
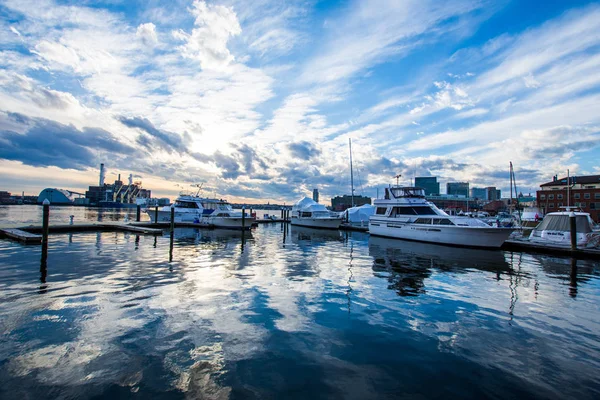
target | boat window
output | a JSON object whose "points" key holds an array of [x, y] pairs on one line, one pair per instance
{"points": [[424, 211], [185, 204], [423, 221], [443, 221], [305, 214], [381, 210]]}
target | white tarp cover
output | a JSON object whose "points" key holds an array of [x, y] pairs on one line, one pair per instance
{"points": [[561, 223], [360, 214], [306, 204]]}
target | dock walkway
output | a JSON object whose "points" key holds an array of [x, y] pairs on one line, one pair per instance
{"points": [[21, 235]]}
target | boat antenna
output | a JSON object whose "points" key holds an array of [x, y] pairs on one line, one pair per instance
{"points": [[199, 186], [351, 173], [398, 180]]}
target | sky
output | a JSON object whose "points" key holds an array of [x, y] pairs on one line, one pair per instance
{"points": [[257, 100]]}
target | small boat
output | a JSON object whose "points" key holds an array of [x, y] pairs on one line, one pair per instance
{"points": [[309, 213], [203, 211], [555, 229], [404, 213]]}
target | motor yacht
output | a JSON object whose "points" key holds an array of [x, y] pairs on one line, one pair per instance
{"points": [[555, 229], [404, 213], [309, 213], [203, 211]]}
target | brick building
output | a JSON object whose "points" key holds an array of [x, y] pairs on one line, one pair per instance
{"points": [[584, 193]]}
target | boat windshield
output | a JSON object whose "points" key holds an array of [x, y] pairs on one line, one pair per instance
{"points": [[414, 210], [407, 192], [561, 223]]}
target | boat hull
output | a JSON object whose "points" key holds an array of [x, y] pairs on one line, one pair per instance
{"points": [[323, 223], [196, 218], [472, 236]]}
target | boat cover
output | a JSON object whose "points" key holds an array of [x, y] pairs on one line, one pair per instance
{"points": [[308, 205], [561, 223], [360, 214]]}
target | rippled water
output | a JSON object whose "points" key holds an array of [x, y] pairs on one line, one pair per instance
{"points": [[287, 312]]}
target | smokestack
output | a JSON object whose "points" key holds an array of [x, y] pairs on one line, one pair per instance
{"points": [[119, 178], [130, 179], [101, 180]]}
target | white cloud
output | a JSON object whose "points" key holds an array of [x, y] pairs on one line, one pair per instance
{"points": [[207, 43], [147, 34]]}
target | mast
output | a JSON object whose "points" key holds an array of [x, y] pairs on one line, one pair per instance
{"points": [[511, 185], [351, 172], [568, 191]]}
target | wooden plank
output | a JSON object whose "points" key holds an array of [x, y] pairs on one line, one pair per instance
{"points": [[22, 236]]}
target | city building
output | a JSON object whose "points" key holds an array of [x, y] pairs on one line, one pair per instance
{"points": [[341, 203], [316, 195], [491, 193], [429, 183], [457, 189], [583, 193], [479, 193]]}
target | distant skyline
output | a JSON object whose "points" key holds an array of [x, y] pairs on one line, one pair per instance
{"points": [[257, 99]]}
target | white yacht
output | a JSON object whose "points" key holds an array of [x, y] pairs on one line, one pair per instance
{"points": [[203, 211], [555, 229], [309, 213], [404, 213]]}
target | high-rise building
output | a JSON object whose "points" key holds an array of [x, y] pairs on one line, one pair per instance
{"points": [[491, 193], [429, 183], [457, 188], [316, 195], [479, 193]]}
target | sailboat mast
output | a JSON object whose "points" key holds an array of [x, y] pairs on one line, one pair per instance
{"points": [[351, 173]]}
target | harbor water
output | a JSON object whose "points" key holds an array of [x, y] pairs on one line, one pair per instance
{"points": [[288, 312]]}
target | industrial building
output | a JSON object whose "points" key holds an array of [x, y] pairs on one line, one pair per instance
{"points": [[116, 194], [341, 203], [429, 183], [583, 192]]}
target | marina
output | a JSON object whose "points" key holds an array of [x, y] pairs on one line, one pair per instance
{"points": [[288, 309]]}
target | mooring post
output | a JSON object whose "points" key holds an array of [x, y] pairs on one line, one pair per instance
{"points": [[137, 213], [45, 221], [573, 226], [172, 219], [243, 218], [281, 212], [250, 215], [156, 215]]}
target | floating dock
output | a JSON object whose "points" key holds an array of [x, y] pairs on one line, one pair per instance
{"points": [[21, 235], [527, 246]]}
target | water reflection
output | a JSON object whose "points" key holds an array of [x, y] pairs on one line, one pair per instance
{"points": [[406, 265], [316, 316]]}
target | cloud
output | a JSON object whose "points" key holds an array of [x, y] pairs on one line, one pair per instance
{"points": [[48, 143], [147, 34], [303, 150], [207, 43], [168, 141]]}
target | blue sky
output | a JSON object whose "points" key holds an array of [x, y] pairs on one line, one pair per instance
{"points": [[258, 99]]}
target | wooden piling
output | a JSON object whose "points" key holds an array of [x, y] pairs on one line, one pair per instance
{"points": [[573, 226], [243, 218], [45, 221], [156, 215], [138, 213], [172, 219]]}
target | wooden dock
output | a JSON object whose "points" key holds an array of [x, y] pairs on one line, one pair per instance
{"points": [[527, 246], [21, 235]]}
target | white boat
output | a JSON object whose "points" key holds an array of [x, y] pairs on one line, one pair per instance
{"points": [[203, 211], [404, 213], [309, 213], [555, 229]]}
